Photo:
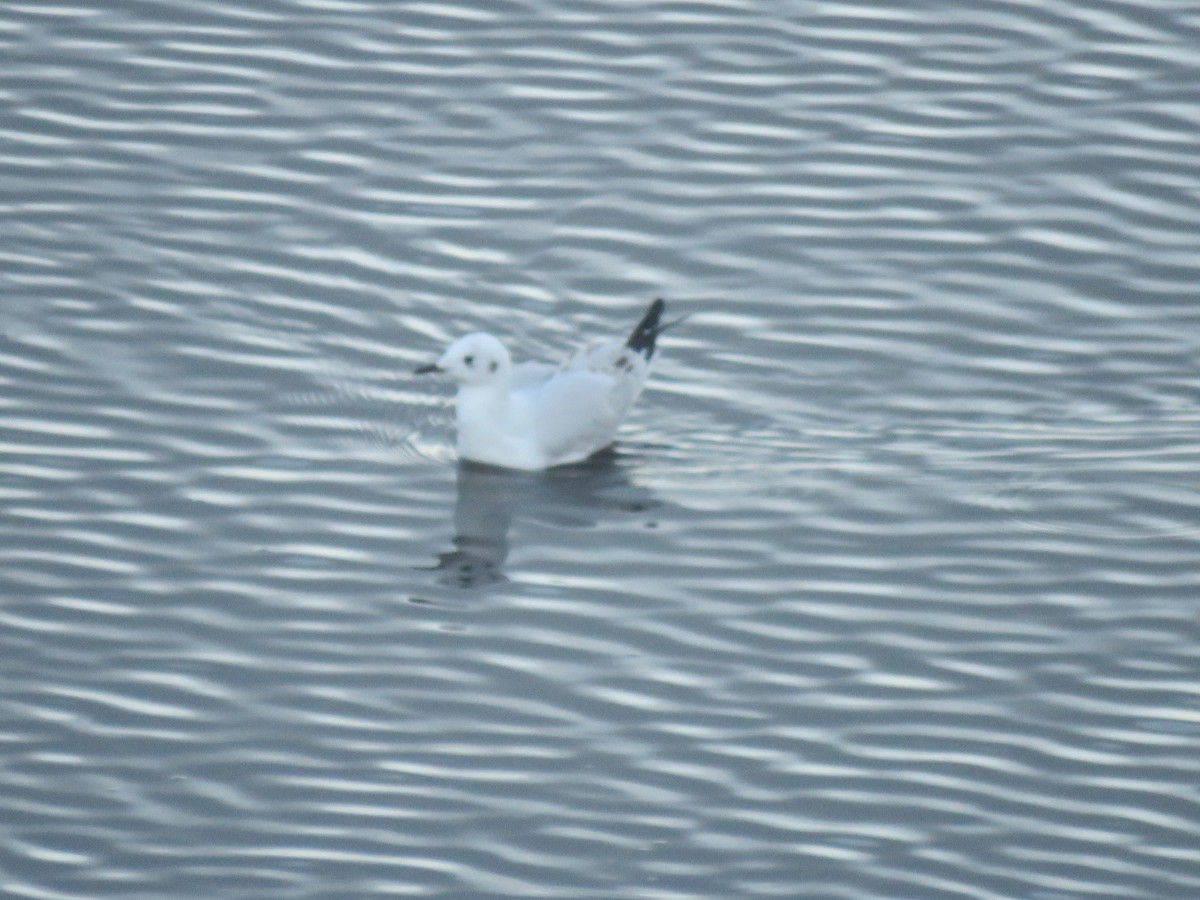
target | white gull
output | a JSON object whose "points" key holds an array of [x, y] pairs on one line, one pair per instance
{"points": [[537, 415]]}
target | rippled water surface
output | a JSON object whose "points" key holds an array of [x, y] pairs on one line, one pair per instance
{"points": [[890, 588]]}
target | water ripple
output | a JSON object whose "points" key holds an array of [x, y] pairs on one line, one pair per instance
{"points": [[887, 591]]}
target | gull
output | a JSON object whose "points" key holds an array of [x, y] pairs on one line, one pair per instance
{"points": [[537, 415]]}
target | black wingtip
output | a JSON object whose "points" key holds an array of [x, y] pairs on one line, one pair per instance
{"points": [[643, 337]]}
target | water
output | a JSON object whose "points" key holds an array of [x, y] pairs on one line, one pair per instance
{"points": [[889, 589]]}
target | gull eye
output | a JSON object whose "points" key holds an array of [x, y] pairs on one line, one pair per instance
{"points": [[469, 359]]}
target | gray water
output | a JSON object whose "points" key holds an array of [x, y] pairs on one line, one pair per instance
{"points": [[890, 588]]}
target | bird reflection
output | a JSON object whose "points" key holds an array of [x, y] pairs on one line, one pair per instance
{"points": [[489, 499]]}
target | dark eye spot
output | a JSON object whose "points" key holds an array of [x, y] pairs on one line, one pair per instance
{"points": [[469, 359], [494, 366]]}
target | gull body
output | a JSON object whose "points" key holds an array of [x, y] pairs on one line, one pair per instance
{"points": [[537, 415]]}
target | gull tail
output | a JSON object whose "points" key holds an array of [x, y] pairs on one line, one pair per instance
{"points": [[643, 337]]}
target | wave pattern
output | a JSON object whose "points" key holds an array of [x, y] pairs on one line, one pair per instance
{"points": [[890, 589]]}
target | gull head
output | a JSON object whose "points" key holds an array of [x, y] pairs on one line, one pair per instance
{"points": [[474, 359]]}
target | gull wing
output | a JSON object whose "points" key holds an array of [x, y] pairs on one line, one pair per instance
{"points": [[575, 413], [577, 410], [528, 375]]}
